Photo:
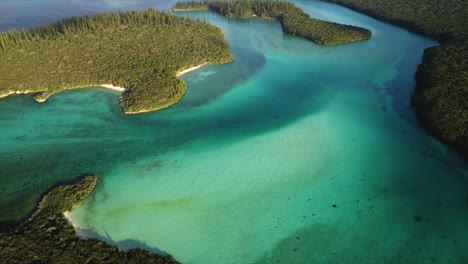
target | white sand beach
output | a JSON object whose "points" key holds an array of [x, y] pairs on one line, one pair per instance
{"points": [[112, 87], [190, 69], [68, 216]]}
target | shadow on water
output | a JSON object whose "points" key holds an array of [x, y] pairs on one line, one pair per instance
{"points": [[44, 157], [105, 136], [10, 223], [36, 165], [126, 244]]}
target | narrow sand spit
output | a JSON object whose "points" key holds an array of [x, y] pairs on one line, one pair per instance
{"points": [[190, 69]]}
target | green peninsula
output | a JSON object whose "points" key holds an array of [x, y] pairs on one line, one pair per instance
{"points": [[46, 237], [293, 20], [140, 50], [441, 94]]}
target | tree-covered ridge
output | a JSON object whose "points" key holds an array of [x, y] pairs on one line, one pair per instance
{"points": [[441, 94], [46, 237], [190, 6], [293, 20], [444, 20], [139, 50]]}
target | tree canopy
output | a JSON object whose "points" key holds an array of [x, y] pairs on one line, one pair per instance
{"points": [[293, 20], [139, 50]]}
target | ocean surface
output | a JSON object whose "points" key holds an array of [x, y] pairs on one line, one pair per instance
{"points": [[293, 153]]}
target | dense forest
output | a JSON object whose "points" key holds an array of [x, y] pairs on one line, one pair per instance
{"points": [[46, 237], [441, 94], [139, 50], [293, 20]]}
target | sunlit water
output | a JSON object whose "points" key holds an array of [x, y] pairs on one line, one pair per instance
{"points": [[293, 153]]}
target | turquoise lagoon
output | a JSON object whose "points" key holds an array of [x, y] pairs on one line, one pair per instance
{"points": [[293, 153]]}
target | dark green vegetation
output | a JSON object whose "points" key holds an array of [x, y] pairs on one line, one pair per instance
{"points": [[190, 6], [141, 51], [47, 237], [293, 20], [441, 94]]}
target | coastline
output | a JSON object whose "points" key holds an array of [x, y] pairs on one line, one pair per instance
{"points": [[105, 86], [152, 81], [17, 92], [110, 86], [144, 111], [189, 9], [429, 79], [180, 73], [68, 216], [45, 94], [42, 96], [48, 237]]}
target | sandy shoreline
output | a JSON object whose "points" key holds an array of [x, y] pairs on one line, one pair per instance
{"points": [[106, 86], [112, 87], [42, 96], [68, 216], [43, 99], [190, 69], [17, 92], [145, 110], [177, 75]]}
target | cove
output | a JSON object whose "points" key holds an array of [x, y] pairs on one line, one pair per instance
{"points": [[293, 153]]}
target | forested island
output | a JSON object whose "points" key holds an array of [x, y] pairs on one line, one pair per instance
{"points": [[141, 51], [441, 94], [46, 237], [293, 19]]}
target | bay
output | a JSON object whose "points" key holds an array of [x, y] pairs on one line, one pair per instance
{"points": [[293, 153]]}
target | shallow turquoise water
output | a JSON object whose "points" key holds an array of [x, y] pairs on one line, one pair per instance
{"points": [[247, 167]]}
